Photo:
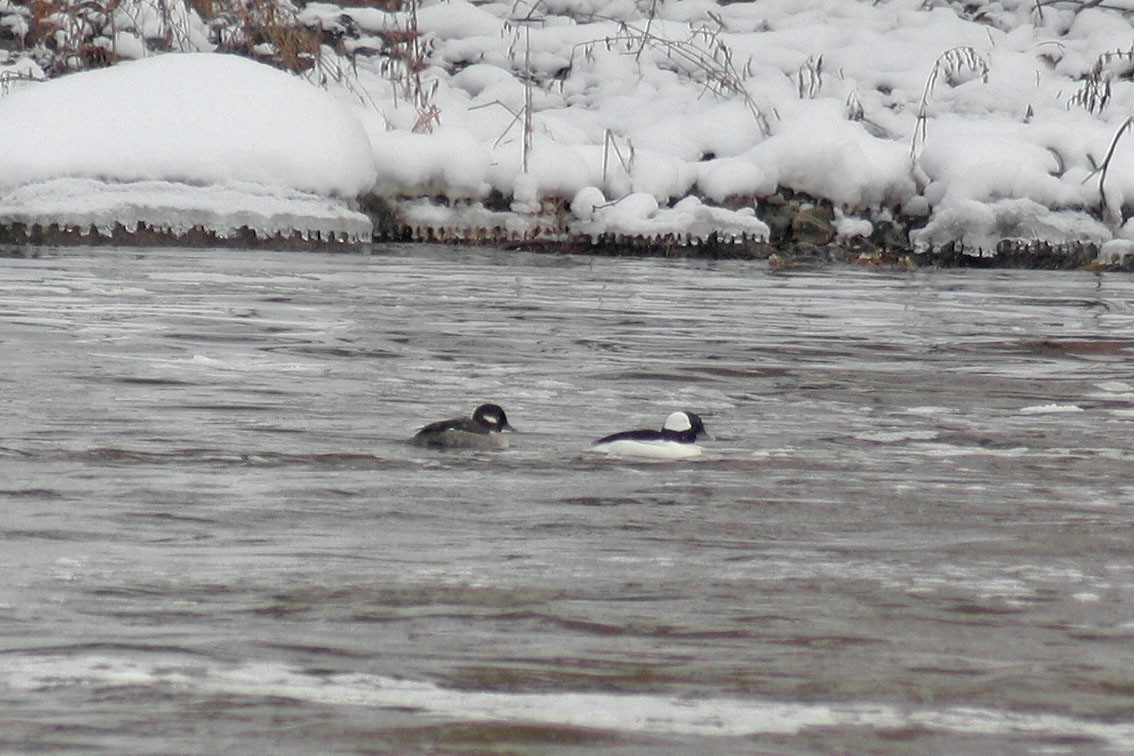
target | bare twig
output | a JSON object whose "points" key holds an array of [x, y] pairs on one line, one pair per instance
{"points": [[609, 144], [9, 76], [1103, 167], [528, 125]]}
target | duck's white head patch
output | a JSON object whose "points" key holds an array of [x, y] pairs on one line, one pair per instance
{"points": [[678, 422]]}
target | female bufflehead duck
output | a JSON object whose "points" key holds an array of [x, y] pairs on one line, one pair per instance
{"points": [[484, 430], [674, 441]]}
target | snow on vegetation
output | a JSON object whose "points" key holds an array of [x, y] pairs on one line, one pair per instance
{"points": [[671, 120]]}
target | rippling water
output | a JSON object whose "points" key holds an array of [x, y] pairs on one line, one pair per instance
{"points": [[912, 532]]}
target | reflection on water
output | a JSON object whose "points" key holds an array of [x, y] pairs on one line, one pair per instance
{"points": [[910, 532]]}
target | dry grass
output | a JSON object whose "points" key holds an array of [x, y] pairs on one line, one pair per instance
{"points": [[261, 29], [70, 36], [954, 67], [75, 35], [702, 57], [809, 78], [405, 58], [1093, 94]]}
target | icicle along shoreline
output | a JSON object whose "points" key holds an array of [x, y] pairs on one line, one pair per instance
{"points": [[802, 233], [803, 132]]}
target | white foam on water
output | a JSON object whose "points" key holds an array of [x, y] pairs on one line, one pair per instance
{"points": [[1116, 387], [1049, 409], [710, 716], [930, 411]]}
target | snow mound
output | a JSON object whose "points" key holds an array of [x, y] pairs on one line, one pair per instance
{"points": [[639, 215], [979, 225], [220, 133]]}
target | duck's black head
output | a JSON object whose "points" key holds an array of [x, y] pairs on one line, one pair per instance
{"points": [[492, 416]]}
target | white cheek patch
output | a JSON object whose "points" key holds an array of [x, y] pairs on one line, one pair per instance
{"points": [[491, 419], [678, 421]]}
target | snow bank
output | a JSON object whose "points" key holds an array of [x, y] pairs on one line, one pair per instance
{"points": [[155, 132], [817, 151], [450, 161], [968, 116], [979, 121], [196, 118]]}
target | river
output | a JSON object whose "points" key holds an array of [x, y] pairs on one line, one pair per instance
{"points": [[910, 533]]}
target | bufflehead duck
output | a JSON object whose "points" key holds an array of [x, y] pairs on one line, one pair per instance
{"points": [[484, 430], [674, 441]]}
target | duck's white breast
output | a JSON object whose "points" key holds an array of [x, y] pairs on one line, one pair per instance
{"points": [[660, 449]]}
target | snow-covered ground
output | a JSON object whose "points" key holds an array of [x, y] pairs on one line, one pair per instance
{"points": [[974, 122]]}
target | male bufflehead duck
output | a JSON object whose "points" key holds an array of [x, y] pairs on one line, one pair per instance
{"points": [[484, 430], [674, 441]]}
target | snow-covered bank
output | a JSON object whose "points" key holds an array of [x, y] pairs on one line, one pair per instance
{"points": [[874, 128], [178, 142]]}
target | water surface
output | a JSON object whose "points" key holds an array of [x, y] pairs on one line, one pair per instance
{"points": [[912, 532]]}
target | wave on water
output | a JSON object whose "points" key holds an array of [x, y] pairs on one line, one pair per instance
{"points": [[625, 713], [1049, 409]]}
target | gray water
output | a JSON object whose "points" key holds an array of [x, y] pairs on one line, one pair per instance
{"points": [[911, 532]]}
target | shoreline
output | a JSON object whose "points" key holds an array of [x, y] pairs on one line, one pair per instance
{"points": [[800, 134], [803, 234]]}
